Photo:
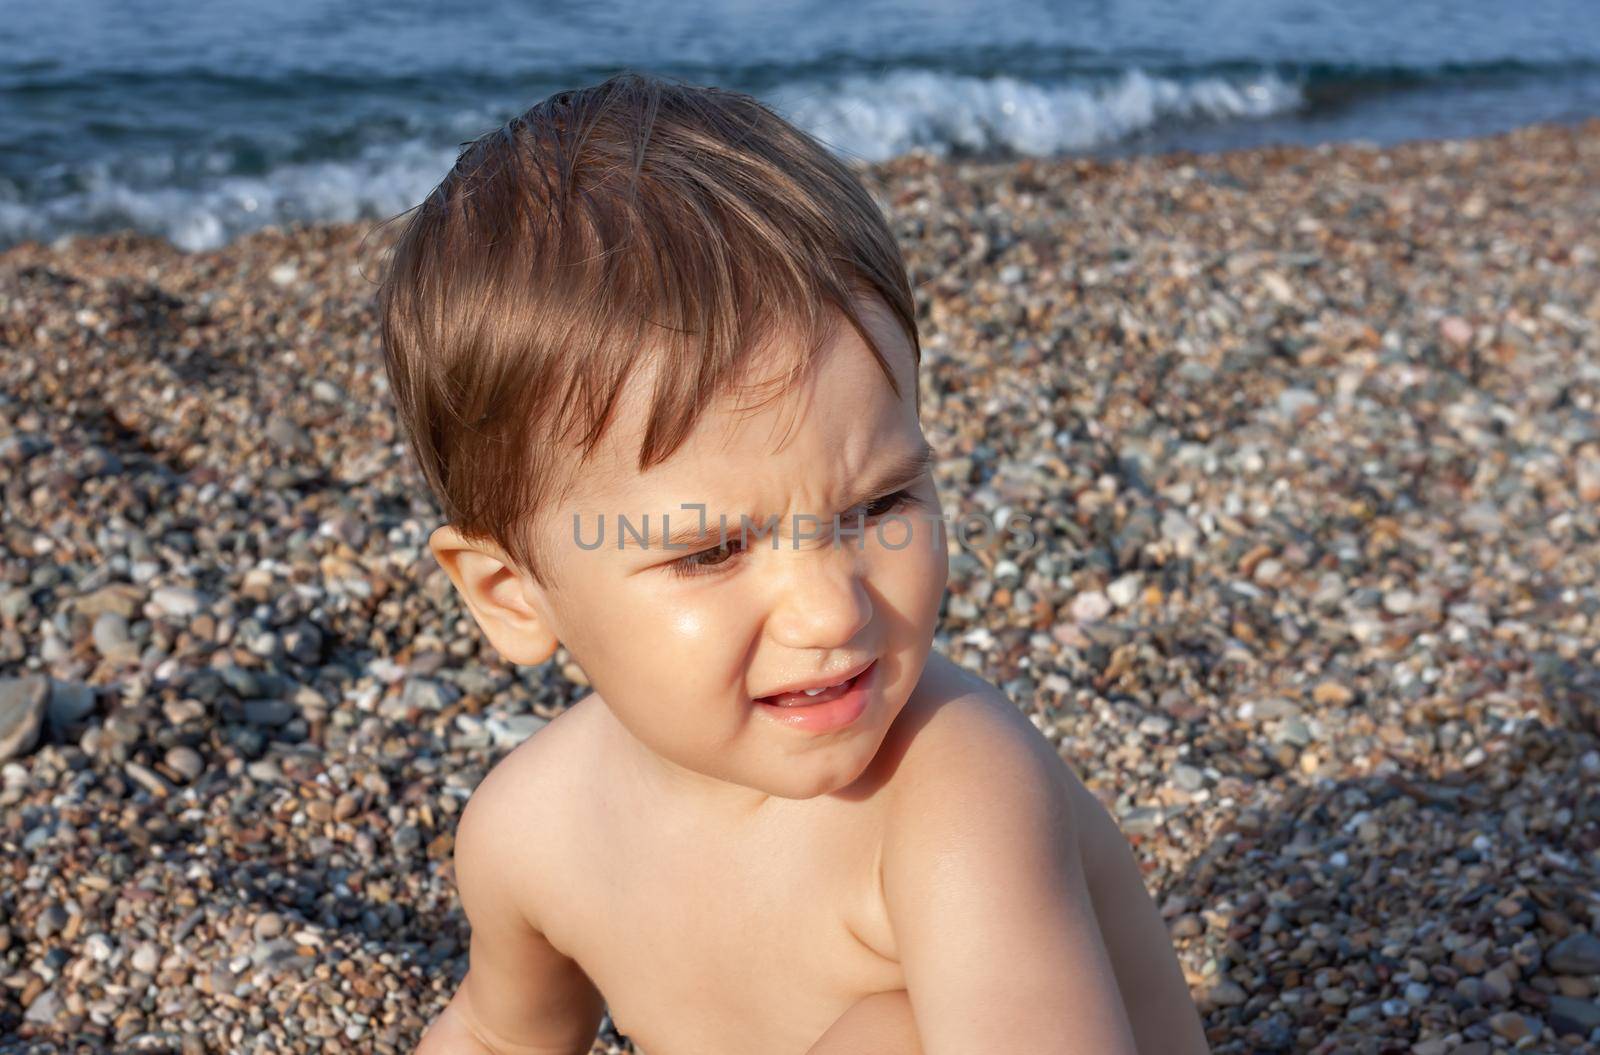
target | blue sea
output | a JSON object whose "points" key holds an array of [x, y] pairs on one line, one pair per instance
{"points": [[198, 121]]}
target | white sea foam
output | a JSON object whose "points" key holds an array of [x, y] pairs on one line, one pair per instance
{"points": [[880, 117], [869, 118], [381, 183]]}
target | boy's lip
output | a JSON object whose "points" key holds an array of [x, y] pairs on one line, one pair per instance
{"points": [[822, 680]]}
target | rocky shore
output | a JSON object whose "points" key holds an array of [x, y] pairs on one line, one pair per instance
{"points": [[1310, 440]]}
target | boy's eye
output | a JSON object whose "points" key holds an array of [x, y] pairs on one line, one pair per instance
{"points": [[879, 507], [708, 561], [705, 560]]}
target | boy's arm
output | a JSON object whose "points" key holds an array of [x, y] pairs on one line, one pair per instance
{"points": [[521, 995], [989, 904], [1154, 990]]}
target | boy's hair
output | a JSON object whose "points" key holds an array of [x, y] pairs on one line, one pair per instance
{"points": [[607, 226]]}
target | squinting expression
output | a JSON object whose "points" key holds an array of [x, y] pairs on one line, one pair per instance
{"points": [[681, 643]]}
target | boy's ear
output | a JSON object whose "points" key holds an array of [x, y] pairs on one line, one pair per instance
{"points": [[494, 593]]}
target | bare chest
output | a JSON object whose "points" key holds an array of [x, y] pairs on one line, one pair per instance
{"points": [[711, 943]]}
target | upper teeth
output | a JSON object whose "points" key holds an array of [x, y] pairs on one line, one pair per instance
{"points": [[825, 688]]}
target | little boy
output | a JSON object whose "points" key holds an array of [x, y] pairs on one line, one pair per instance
{"points": [[781, 823]]}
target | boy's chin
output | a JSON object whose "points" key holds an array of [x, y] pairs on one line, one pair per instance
{"points": [[802, 784]]}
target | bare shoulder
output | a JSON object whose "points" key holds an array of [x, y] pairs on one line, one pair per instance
{"points": [[513, 818], [961, 734], [531, 777], [956, 727]]}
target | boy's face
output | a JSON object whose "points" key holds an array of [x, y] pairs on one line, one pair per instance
{"points": [[681, 658]]}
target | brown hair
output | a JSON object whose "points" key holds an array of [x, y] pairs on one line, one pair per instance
{"points": [[635, 218]]}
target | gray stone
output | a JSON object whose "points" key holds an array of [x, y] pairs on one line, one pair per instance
{"points": [[1294, 732], [148, 779], [1225, 993], [14, 602], [510, 730], [241, 680], [265, 770], [22, 709], [146, 958], [428, 694], [1125, 590], [1577, 953], [21, 446], [1142, 820], [268, 712], [178, 601], [1568, 1014], [44, 1009], [326, 391], [1292, 402], [186, 762], [70, 703], [1177, 529], [50, 921], [111, 638], [272, 951], [1399, 602], [284, 433], [407, 839], [266, 644], [1496, 986], [303, 643], [99, 947]]}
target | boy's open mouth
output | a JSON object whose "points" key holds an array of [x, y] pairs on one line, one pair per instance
{"points": [[826, 695]]}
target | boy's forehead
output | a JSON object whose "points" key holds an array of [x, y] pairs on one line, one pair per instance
{"points": [[752, 420]]}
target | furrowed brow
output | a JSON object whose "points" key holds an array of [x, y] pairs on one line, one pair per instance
{"points": [[900, 471], [903, 470]]}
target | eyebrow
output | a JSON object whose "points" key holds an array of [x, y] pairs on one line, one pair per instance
{"points": [[895, 474]]}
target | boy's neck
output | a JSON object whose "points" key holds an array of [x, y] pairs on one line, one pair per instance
{"points": [[669, 783]]}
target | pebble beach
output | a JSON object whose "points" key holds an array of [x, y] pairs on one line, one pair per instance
{"points": [[1309, 440]]}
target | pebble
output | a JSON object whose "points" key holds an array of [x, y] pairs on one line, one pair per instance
{"points": [[1514, 1026], [1188, 778], [22, 709], [1455, 331], [45, 1008], [146, 958], [1225, 993], [1571, 1015], [50, 921], [111, 636], [70, 703], [1125, 590], [99, 947], [177, 601], [1090, 607], [1577, 953], [511, 730], [185, 762], [269, 712], [148, 779]]}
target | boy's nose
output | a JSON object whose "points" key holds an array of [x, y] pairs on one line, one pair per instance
{"points": [[823, 601]]}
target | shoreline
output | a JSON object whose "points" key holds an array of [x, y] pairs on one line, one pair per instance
{"points": [[1311, 436], [1121, 152]]}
